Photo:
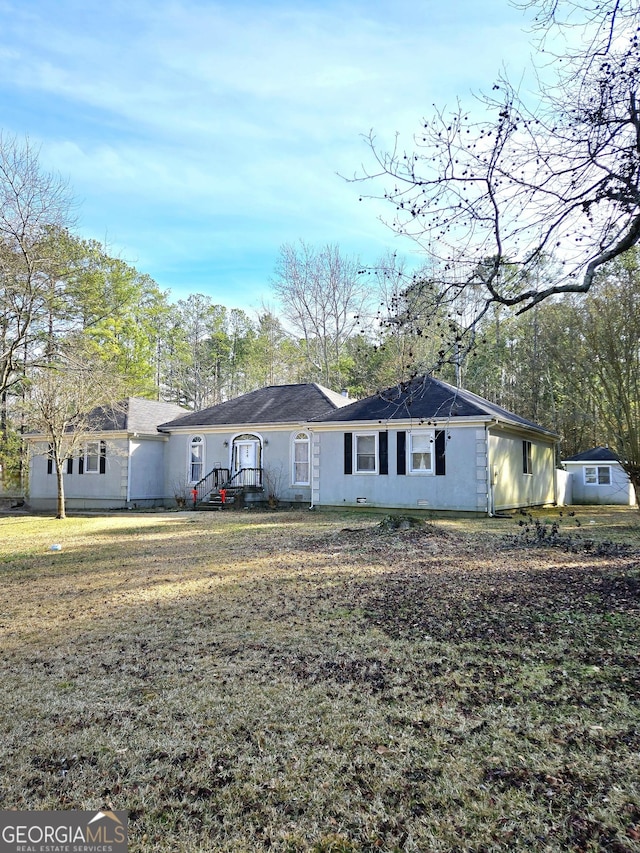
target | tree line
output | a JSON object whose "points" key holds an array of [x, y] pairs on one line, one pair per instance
{"points": [[72, 313], [527, 220]]}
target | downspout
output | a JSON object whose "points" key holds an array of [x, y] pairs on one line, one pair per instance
{"points": [[129, 472], [311, 474]]}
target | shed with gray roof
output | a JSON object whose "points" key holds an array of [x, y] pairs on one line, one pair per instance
{"points": [[598, 477]]}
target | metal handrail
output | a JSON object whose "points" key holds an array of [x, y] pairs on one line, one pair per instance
{"points": [[245, 477], [213, 481], [221, 478]]}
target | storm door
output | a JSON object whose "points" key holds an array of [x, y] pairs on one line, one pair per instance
{"points": [[246, 461]]}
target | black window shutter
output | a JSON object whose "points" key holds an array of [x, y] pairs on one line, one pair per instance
{"points": [[401, 455], [103, 457], [440, 452], [348, 453], [383, 452], [80, 464], [70, 465]]}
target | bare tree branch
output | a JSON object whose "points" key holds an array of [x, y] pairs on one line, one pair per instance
{"points": [[556, 180]]}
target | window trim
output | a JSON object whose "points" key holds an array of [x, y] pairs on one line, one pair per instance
{"points": [[596, 469], [527, 457], [297, 441], [358, 435], [431, 438], [198, 439], [89, 455]]}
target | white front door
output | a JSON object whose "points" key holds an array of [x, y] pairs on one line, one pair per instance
{"points": [[245, 458]]}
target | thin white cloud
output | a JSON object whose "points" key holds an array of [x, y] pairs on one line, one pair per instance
{"points": [[225, 123]]}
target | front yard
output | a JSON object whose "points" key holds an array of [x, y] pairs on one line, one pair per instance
{"points": [[310, 682]]}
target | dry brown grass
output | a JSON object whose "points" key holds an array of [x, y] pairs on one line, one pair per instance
{"points": [[305, 682]]}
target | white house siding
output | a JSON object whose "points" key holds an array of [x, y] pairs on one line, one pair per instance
{"points": [[82, 491], [618, 492], [513, 488], [462, 488], [145, 486], [277, 458], [564, 487], [277, 462], [177, 459]]}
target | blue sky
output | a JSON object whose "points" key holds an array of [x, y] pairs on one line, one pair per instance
{"points": [[199, 137]]}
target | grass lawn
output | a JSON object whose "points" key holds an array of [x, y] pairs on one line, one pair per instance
{"points": [[310, 682]]}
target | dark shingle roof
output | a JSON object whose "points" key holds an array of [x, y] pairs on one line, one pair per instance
{"points": [[272, 405], [595, 454], [424, 398]]}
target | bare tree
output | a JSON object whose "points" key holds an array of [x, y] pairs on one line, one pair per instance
{"points": [[68, 401], [33, 204], [322, 296], [553, 178]]}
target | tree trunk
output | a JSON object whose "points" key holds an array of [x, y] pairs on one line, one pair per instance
{"points": [[60, 482]]}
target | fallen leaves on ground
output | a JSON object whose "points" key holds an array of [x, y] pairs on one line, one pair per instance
{"points": [[282, 682]]}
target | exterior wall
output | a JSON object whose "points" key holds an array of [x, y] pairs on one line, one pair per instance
{"points": [[177, 483], [619, 491], [462, 488], [277, 460], [154, 471], [146, 472], [512, 488], [82, 491], [278, 467], [564, 485]]}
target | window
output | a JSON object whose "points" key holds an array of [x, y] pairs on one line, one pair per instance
{"points": [[527, 460], [196, 458], [92, 457], [597, 475], [421, 452], [365, 453], [301, 459], [411, 459], [371, 451]]}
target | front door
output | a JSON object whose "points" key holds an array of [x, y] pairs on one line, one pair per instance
{"points": [[245, 459]]}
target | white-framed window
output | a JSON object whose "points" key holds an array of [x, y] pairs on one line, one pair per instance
{"points": [[527, 457], [597, 475], [196, 458], [92, 457], [421, 451], [301, 459], [366, 452]]}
